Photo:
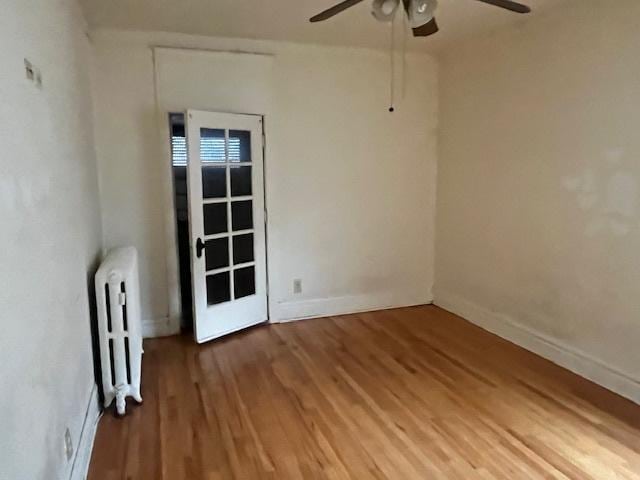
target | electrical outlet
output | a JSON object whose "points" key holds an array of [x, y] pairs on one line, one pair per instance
{"points": [[297, 286], [68, 445]]}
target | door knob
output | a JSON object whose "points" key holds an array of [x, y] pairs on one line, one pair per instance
{"points": [[200, 245]]}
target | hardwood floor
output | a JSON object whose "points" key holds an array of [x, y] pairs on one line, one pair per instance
{"points": [[414, 393]]}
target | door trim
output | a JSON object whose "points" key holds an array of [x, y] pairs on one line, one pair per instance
{"points": [[171, 322]]}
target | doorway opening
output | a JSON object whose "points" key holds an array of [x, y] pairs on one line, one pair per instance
{"points": [[181, 205], [217, 162]]}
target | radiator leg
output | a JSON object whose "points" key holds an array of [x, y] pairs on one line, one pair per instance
{"points": [[137, 397], [120, 403]]}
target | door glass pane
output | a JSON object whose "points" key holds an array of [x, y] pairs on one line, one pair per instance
{"points": [[215, 218], [240, 181], [218, 288], [242, 215], [212, 145], [239, 146], [214, 182], [217, 253], [243, 249], [244, 282]]}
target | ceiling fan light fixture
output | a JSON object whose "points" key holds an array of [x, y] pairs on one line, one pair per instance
{"points": [[384, 10], [421, 12]]}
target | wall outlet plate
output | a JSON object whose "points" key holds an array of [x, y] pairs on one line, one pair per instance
{"points": [[68, 445], [297, 286]]}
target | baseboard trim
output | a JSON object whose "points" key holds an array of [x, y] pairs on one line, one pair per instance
{"points": [[547, 347], [325, 307], [160, 327], [82, 458]]}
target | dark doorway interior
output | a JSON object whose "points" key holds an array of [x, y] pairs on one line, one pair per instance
{"points": [[181, 202]]}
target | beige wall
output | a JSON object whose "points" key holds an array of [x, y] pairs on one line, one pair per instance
{"points": [[50, 237], [538, 230], [350, 187]]}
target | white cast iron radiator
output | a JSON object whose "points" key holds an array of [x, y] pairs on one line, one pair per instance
{"points": [[119, 325]]}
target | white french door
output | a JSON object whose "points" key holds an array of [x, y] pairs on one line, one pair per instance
{"points": [[227, 222]]}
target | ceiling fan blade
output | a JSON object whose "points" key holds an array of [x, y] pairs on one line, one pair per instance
{"points": [[509, 5], [336, 9], [426, 29]]}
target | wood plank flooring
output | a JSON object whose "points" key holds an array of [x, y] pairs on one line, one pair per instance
{"points": [[414, 393]]}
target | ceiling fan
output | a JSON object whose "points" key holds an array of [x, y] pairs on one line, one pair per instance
{"points": [[421, 13]]}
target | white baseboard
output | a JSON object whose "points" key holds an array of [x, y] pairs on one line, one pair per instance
{"points": [[325, 307], [547, 347], [84, 448], [160, 327]]}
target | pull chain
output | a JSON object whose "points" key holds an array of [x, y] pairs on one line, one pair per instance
{"points": [[392, 63], [393, 68], [405, 28]]}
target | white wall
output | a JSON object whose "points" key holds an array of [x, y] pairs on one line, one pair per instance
{"points": [[538, 227], [50, 237], [350, 187]]}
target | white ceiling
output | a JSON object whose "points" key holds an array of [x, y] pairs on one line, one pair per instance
{"points": [[287, 20]]}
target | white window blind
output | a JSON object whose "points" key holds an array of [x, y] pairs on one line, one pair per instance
{"points": [[211, 150], [178, 151]]}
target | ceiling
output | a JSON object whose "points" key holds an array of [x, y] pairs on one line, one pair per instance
{"points": [[287, 20]]}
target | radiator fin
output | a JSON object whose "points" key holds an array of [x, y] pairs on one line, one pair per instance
{"points": [[112, 363], [123, 290], [107, 302]]}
